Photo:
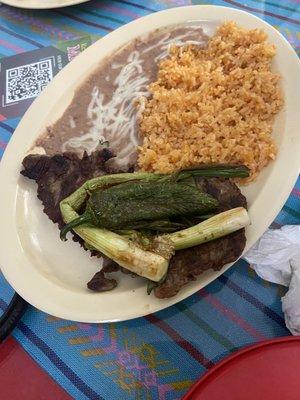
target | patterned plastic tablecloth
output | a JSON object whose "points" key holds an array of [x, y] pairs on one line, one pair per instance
{"points": [[161, 355]]}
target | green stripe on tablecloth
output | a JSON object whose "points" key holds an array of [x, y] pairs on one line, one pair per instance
{"points": [[205, 327]]}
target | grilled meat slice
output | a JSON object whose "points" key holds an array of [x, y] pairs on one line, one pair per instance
{"points": [[225, 191], [100, 283], [59, 175], [187, 264]]}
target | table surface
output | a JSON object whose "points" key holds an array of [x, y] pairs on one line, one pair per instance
{"points": [[161, 355]]}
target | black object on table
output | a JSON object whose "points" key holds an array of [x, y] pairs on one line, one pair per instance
{"points": [[12, 316]]}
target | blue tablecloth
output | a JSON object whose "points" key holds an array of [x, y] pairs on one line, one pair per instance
{"points": [[158, 356]]}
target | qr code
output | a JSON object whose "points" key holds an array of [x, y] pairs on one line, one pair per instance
{"points": [[27, 81]]}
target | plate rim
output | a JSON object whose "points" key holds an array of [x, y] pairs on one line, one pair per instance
{"points": [[39, 5], [4, 165]]}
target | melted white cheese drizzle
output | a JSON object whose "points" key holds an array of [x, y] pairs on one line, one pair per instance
{"points": [[72, 123], [116, 119], [167, 40]]}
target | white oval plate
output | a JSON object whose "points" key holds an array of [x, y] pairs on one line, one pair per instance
{"points": [[52, 275], [42, 4]]}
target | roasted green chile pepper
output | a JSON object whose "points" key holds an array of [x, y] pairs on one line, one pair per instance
{"points": [[137, 204]]}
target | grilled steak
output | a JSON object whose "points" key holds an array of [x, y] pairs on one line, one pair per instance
{"points": [[226, 192], [187, 264], [59, 175]]}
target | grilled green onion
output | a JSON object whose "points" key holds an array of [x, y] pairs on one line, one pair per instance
{"points": [[213, 228]]}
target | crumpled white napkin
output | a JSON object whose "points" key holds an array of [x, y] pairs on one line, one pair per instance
{"points": [[276, 258]]}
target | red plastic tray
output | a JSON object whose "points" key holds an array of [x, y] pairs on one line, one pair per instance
{"points": [[269, 370]]}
